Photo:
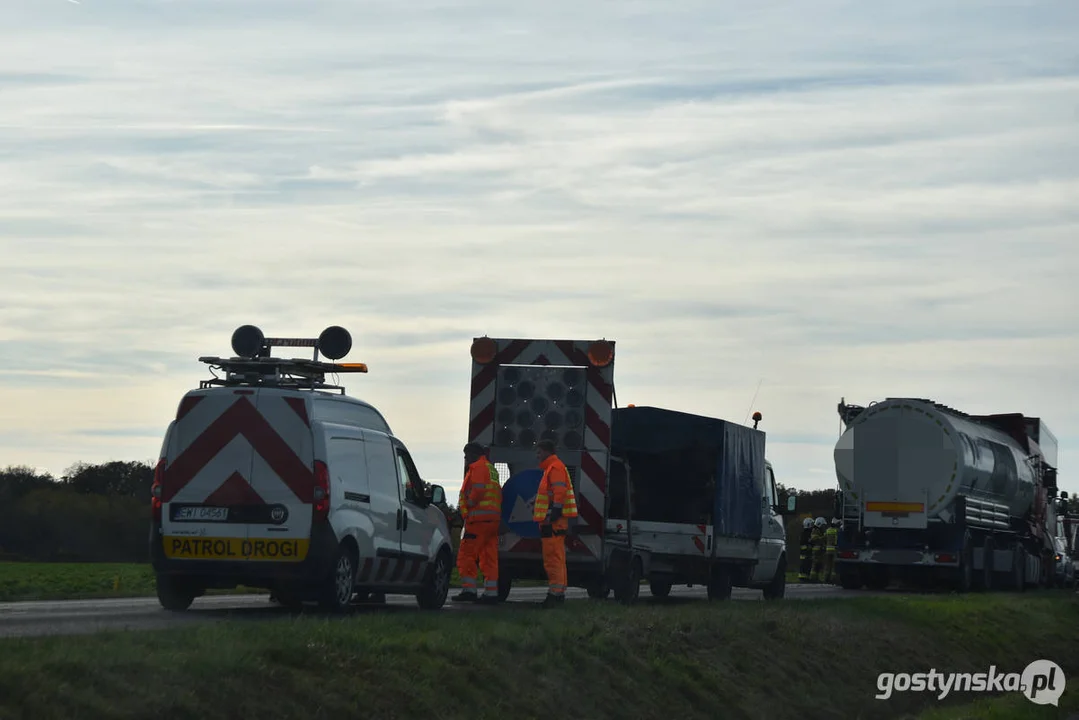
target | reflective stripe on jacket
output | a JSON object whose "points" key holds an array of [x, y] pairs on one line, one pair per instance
{"points": [[481, 495], [555, 491]]}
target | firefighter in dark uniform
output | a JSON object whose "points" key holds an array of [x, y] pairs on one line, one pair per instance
{"points": [[805, 558]]}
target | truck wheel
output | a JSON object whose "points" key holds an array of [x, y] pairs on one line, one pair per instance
{"points": [[630, 588], [436, 586], [1019, 568], [964, 574], [720, 583], [505, 585], [778, 587], [599, 589], [175, 594], [337, 589], [659, 588], [987, 565]]}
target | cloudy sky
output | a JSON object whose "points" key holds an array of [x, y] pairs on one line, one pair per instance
{"points": [[859, 199]]}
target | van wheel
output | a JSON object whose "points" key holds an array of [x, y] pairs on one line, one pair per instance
{"points": [[338, 590], [175, 594], [777, 588], [436, 585]]}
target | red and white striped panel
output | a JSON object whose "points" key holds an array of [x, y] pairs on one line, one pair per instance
{"points": [[592, 472], [222, 439]]}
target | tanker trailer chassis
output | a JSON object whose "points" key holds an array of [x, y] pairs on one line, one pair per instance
{"points": [[943, 554]]}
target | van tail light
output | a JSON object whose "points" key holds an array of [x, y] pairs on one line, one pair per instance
{"points": [[321, 494], [155, 490]]}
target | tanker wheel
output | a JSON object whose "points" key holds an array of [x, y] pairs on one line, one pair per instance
{"points": [[987, 564], [964, 574], [1019, 568], [879, 577], [850, 579]]}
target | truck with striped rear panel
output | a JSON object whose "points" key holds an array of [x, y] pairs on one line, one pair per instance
{"points": [[937, 497], [527, 390]]}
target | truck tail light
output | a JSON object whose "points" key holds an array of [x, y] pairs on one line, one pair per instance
{"points": [[321, 493], [944, 557], [848, 554]]}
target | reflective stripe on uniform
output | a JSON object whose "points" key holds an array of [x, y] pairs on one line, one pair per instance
{"points": [[545, 494], [468, 583]]}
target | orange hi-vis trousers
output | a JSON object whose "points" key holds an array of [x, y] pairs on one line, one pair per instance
{"points": [[479, 551], [554, 555]]}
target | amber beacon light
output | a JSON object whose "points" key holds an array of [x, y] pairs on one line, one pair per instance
{"points": [[600, 353], [484, 350]]}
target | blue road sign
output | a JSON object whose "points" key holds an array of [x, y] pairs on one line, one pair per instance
{"points": [[518, 498]]}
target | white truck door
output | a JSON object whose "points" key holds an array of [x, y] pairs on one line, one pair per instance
{"points": [[773, 534]]}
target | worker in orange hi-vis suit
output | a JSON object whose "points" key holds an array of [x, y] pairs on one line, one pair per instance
{"points": [[481, 507], [555, 503]]}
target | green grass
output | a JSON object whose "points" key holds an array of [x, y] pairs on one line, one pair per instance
{"points": [[75, 581], [679, 660], [64, 581]]}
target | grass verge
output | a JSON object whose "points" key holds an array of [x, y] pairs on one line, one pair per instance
{"points": [[82, 581], [685, 660]]}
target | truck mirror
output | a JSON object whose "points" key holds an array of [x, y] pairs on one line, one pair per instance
{"points": [[792, 503], [438, 495]]}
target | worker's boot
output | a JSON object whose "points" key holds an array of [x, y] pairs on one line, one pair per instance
{"points": [[553, 601], [488, 599], [465, 596]]}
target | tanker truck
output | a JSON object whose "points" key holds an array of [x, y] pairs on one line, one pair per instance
{"points": [[935, 497]]}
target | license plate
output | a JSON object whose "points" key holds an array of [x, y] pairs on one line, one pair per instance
{"points": [[189, 513], [260, 549]]}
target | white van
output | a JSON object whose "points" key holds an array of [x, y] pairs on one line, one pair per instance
{"points": [[271, 478]]}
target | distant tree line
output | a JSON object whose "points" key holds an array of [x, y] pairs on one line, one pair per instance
{"points": [[101, 513], [93, 513]]}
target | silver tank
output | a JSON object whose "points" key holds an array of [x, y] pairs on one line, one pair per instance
{"points": [[908, 450]]}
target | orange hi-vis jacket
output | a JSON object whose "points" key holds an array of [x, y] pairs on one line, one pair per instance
{"points": [[481, 496], [555, 490]]}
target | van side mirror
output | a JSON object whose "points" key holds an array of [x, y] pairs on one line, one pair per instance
{"points": [[792, 504], [437, 495]]}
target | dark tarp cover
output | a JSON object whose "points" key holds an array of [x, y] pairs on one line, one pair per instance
{"points": [[642, 433]]}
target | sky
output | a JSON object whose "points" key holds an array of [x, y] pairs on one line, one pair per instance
{"points": [[817, 199]]}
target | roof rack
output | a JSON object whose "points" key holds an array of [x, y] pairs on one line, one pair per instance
{"points": [[254, 365]]}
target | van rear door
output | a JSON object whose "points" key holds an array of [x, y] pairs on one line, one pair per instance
{"points": [[205, 482], [282, 477]]}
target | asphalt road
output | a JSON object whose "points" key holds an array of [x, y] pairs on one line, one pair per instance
{"points": [[75, 617]]}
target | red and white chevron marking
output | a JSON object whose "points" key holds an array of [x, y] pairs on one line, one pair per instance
{"points": [[592, 473], [227, 448]]}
